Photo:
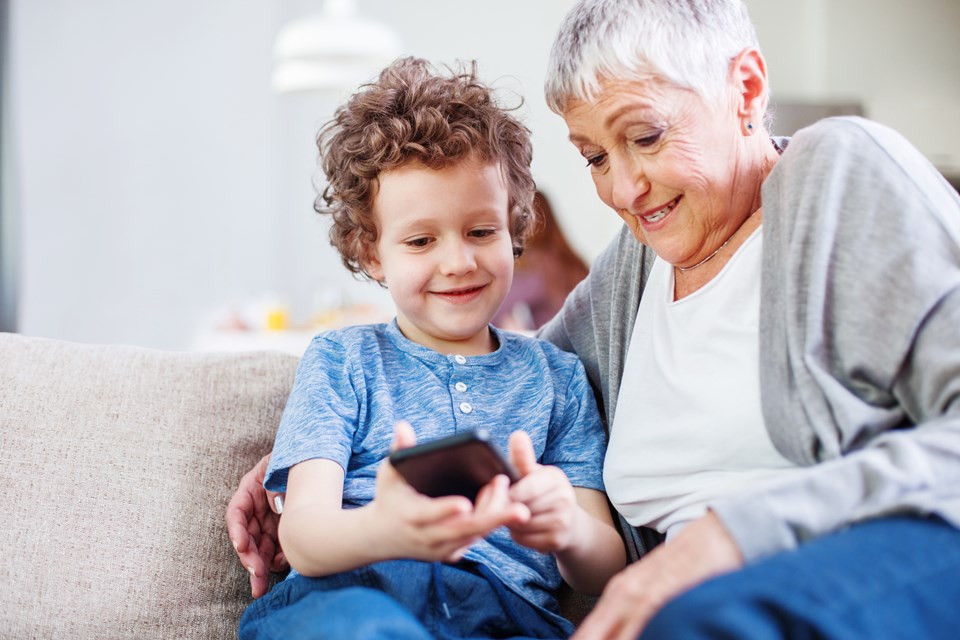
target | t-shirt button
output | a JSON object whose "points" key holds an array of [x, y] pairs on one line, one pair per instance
{"points": [[465, 407], [460, 359], [460, 387]]}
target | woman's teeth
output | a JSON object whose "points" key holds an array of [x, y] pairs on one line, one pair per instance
{"points": [[662, 212]]}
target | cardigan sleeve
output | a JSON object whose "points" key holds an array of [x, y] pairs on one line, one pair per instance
{"points": [[860, 338], [596, 321]]}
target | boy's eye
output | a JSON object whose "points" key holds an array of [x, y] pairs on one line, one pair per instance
{"points": [[482, 233], [418, 242]]}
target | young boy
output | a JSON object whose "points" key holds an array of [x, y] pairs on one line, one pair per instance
{"points": [[430, 193]]}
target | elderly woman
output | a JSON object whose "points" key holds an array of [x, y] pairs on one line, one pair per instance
{"points": [[774, 337]]}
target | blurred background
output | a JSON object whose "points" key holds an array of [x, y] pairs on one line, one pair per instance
{"points": [[158, 158]]}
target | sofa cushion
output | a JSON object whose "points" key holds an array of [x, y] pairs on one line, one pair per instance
{"points": [[117, 466]]}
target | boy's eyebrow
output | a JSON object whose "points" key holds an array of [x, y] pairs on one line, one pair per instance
{"points": [[483, 215], [425, 221]]}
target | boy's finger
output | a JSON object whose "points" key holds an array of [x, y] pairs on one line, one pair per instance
{"points": [[513, 514], [430, 510], [457, 554], [403, 436], [494, 495], [464, 526], [521, 453]]}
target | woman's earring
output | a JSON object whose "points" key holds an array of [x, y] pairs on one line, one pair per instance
{"points": [[749, 128]]}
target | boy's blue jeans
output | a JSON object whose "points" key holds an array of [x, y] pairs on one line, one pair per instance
{"points": [[890, 578], [399, 599]]}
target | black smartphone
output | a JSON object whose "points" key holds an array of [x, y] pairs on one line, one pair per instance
{"points": [[460, 464]]}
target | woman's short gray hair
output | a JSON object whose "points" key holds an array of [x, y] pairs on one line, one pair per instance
{"points": [[687, 42]]}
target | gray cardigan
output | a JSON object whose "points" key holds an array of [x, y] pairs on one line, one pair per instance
{"points": [[859, 336]]}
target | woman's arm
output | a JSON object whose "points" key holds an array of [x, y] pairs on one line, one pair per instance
{"points": [[860, 348], [702, 550], [596, 320]]}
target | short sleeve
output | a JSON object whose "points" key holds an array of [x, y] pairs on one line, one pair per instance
{"points": [[577, 440], [321, 415]]}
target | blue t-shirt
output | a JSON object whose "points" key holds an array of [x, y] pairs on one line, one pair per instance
{"points": [[354, 384]]}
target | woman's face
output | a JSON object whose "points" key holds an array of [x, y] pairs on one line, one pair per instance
{"points": [[667, 161]]}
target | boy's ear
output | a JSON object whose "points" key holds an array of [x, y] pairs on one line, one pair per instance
{"points": [[371, 264]]}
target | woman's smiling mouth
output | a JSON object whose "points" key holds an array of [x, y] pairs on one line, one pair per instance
{"points": [[661, 213]]}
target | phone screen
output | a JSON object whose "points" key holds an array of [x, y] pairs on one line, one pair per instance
{"points": [[461, 464]]}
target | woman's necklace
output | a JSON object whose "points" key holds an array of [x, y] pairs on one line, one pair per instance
{"points": [[685, 269], [709, 257]]}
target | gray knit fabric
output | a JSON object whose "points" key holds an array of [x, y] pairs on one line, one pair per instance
{"points": [[860, 335]]}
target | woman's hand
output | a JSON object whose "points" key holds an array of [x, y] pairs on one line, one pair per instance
{"points": [[702, 550], [442, 528], [252, 526]]}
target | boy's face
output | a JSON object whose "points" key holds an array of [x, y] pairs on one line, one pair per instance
{"points": [[444, 251]]}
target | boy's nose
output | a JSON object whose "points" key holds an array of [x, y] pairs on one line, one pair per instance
{"points": [[458, 259]]}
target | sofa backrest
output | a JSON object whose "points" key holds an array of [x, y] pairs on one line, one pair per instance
{"points": [[117, 465]]}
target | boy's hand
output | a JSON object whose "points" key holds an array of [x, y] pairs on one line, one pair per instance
{"points": [[442, 528], [547, 492]]}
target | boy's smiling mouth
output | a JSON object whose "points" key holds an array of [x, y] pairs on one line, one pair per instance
{"points": [[463, 294]]}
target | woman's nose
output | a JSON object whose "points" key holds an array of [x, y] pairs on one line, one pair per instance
{"points": [[628, 185]]}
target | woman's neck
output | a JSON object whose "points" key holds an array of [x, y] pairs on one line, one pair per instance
{"points": [[691, 279]]}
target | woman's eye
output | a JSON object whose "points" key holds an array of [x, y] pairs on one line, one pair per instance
{"points": [[597, 160], [648, 141]]}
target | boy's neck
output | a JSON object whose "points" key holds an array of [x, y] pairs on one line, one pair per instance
{"points": [[478, 345]]}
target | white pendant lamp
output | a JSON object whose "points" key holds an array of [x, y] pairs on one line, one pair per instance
{"points": [[331, 51]]}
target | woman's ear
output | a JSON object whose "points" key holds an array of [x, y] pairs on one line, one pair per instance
{"points": [[749, 75]]}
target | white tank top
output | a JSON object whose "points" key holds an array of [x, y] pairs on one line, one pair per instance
{"points": [[689, 427]]}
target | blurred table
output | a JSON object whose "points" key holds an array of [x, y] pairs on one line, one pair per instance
{"points": [[288, 339], [293, 341]]}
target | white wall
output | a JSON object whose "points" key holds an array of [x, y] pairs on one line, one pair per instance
{"points": [[147, 163], [161, 180], [899, 59]]}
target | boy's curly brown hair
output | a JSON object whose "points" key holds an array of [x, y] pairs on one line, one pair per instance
{"points": [[413, 113]]}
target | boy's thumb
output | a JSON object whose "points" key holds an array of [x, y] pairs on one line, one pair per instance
{"points": [[403, 436], [521, 453]]}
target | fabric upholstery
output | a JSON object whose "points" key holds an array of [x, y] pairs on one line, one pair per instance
{"points": [[117, 466]]}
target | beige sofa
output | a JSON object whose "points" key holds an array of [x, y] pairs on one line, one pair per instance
{"points": [[117, 465]]}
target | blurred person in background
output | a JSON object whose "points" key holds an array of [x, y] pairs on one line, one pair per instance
{"points": [[543, 276]]}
